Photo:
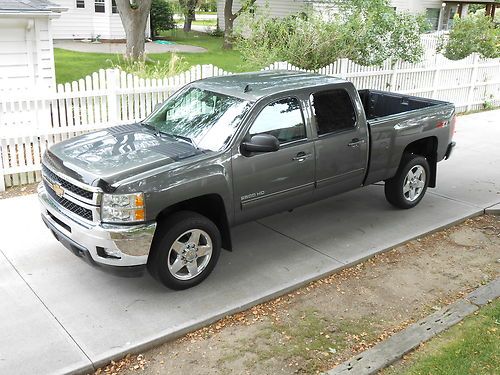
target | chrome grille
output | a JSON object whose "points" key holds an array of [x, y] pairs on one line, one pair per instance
{"points": [[51, 176], [67, 204]]}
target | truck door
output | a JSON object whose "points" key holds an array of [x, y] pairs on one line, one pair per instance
{"points": [[270, 182], [341, 143]]}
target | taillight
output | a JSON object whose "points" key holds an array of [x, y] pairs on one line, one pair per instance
{"points": [[453, 123]]}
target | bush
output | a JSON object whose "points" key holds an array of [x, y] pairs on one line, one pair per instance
{"points": [[162, 17], [152, 69], [367, 36], [208, 6], [474, 33]]}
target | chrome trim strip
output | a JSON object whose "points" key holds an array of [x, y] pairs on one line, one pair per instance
{"points": [[96, 210], [71, 180], [327, 180], [277, 193]]}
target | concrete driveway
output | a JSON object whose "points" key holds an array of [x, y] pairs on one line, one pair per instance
{"points": [[59, 315]]}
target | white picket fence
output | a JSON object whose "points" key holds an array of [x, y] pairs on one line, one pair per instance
{"points": [[32, 120]]}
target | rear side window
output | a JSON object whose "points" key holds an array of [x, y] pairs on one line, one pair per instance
{"points": [[283, 119], [333, 111]]}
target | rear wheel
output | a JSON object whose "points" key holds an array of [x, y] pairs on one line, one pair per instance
{"points": [[407, 188], [185, 250]]}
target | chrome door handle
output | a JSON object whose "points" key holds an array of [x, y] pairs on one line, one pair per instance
{"points": [[356, 142], [301, 156]]}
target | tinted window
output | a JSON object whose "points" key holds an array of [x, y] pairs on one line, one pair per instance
{"points": [[333, 111], [283, 119], [80, 3]]}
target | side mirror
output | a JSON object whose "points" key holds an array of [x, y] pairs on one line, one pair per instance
{"points": [[261, 143]]}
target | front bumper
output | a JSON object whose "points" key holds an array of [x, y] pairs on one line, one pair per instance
{"points": [[130, 244]]}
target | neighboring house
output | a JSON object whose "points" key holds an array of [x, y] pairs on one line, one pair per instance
{"points": [[26, 51], [439, 13], [90, 19]]}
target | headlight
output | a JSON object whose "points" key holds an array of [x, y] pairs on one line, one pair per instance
{"points": [[123, 207]]}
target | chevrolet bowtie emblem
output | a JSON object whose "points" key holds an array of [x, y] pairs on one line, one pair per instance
{"points": [[57, 189]]}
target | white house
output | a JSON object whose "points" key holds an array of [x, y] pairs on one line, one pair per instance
{"points": [[26, 51], [89, 19], [440, 13]]}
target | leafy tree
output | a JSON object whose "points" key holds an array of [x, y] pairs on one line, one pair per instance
{"points": [[208, 5], [366, 31], [162, 17], [229, 18], [474, 33], [188, 8], [134, 15]]}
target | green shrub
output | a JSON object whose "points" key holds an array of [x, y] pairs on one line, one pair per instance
{"points": [[367, 36], [161, 17], [474, 33], [152, 69]]}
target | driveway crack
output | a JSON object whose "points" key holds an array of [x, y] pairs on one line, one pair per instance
{"points": [[299, 242]]}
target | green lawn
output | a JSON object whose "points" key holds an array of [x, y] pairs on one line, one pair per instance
{"points": [[72, 66], [180, 23], [469, 348]]}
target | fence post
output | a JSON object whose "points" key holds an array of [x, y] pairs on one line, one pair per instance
{"points": [[435, 81], [473, 78], [343, 67], [394, 76], [112, 88], [2, 175]]}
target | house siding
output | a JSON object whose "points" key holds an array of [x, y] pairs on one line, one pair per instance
{"points": [[278, 8], [26, 52], [85, 23]]}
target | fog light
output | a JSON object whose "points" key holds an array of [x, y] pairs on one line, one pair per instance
{"points": [[108, 253]]}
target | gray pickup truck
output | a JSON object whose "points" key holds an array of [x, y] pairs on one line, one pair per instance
{"points": [[163, 194]]}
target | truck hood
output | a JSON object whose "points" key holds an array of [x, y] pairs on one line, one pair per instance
{"points": [[116, 153]]}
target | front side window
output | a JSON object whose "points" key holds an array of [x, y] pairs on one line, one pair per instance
{"points": [[333, 111], [80, 3], [282, 119], [206, 119], [100, 6], [114, 8]]}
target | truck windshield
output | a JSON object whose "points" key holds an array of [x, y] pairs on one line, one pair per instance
{"points": [[206, 119]]}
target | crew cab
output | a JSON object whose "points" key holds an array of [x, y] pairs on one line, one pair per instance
{"points": [[163, 193]]}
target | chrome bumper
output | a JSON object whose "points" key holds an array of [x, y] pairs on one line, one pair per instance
{"points": [[129, 243]]}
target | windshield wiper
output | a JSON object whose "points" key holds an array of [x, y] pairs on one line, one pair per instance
{"points": [[179, 137], [175, 136]]}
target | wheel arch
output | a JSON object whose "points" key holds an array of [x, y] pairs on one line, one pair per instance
{"points": [[426, 147], [209, 205]]}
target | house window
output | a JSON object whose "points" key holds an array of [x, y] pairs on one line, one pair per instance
{"points": [[80, 3], [99, 6], [432, 15], [114, 8]]}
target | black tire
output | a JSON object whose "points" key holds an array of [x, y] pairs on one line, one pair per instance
{"points": [[162, 258], [395, 191]]}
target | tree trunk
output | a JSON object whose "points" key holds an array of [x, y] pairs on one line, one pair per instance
{"points": [[228, 25], [187, 23], [134, 18], [229, 18]]}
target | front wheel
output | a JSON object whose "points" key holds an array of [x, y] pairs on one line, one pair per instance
{"points": [[185, 251], [407, 188]]}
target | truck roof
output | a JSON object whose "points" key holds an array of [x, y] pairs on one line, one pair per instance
{"points": [[255, 85]]}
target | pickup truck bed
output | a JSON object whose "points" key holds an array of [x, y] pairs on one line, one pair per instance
{"points": [[382, 104]]}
